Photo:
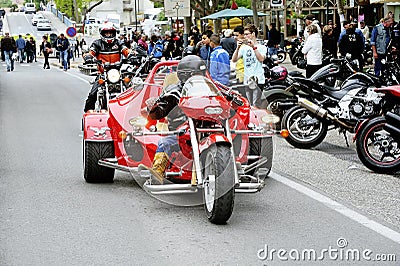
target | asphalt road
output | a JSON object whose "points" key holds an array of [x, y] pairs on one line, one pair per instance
{"points": [[320, 200]]}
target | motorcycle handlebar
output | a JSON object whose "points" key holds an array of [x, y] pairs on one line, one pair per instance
{"points": [[230, 96]]}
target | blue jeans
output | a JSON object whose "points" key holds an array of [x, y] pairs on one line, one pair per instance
{"points": [[168, 145], [21, 54], [9, 61], [272, 51], [64, 58], [378, 64]]}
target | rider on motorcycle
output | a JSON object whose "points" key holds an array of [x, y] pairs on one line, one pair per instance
{"points": [[107, 49], [166, 105]]}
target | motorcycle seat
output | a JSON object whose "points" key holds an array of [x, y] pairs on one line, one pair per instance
{"points": [[336, 94]]}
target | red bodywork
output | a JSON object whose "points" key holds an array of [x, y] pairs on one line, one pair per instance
{"points": [[137, 149], [392, 91]]}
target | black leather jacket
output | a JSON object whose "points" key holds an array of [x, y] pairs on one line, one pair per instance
{"points": [[167, 106]]}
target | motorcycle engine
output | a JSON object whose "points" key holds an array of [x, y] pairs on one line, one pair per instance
{"points": [[362, 104]]}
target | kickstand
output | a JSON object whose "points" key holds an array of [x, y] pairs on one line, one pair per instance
{"points": [[345, 138]]}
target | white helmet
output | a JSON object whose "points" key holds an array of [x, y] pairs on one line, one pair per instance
{"points": [[106, 28]]}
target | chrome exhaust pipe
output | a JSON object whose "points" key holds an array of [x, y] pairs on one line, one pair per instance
{"points": [[319, 111]]}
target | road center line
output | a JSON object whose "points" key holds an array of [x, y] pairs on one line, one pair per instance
{"points": [[340, 208]]}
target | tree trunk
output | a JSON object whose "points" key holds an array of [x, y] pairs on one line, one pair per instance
{"points": [[76, 15], [298, 8], [340, 10], [255, 13]]}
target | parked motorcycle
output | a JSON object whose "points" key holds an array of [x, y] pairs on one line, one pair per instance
{"points": [[306, 125], [294, 50], [378, 139], [279, 98], [225, 145]]}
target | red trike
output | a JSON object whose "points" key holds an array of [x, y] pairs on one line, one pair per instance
{"points": [[225, 145]]}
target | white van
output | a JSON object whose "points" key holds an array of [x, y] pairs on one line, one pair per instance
{"points": [[30, 8]]}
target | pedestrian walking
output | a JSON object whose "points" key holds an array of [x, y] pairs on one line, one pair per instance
{"points": [[62, 45], [20, 42], [8, 47], [45, 48]]}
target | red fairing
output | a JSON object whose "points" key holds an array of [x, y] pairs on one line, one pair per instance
{"points": [[195, 107], [96, 128], [394, 90]]}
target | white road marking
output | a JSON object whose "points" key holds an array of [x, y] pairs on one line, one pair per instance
{"points": [[76, 76], [340, 208]]}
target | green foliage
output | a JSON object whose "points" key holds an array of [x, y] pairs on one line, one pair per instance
{"points": [[67, 6], [5, 3]]}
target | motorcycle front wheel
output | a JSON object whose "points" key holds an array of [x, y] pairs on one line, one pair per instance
{"points": [[281, 56], [377, 149], [305, 131], [218, 191]]}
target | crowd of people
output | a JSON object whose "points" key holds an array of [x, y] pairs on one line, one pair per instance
{"points": [[351, 40]]}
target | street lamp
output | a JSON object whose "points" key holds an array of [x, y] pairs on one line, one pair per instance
{"points": [[177, 6]]}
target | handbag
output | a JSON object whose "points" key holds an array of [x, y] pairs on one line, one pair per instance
{"points": [[49, 50], [302, 63]]}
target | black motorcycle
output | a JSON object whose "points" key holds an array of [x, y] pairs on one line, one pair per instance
{"points": [[279, 99], [305, 125]]}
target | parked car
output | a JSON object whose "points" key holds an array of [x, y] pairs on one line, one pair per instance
{"points": [[43, 24], [35, 18], [30, 8]]}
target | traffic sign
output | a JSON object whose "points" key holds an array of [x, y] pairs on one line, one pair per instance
{"points": [[71, 32]]}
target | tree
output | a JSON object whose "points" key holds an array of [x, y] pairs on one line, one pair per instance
{"points": [[340, 10]]}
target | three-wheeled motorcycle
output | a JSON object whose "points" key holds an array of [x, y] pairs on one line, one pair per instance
{"points": [[225, 144]]}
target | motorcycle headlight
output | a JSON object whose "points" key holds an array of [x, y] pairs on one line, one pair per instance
{"points": [[113, 75], [213, 110]]}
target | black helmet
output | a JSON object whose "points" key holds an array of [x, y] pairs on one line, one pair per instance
{"points": [[189, 66]]}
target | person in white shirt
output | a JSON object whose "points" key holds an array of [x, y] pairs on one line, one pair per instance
{"points": [[253, 55], [313, 50], [364, 29]]}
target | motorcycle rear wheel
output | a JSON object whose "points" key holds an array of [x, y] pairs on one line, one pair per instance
{"points": [[377, 149], [218, 191], [305, 131], [92, 153]]}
